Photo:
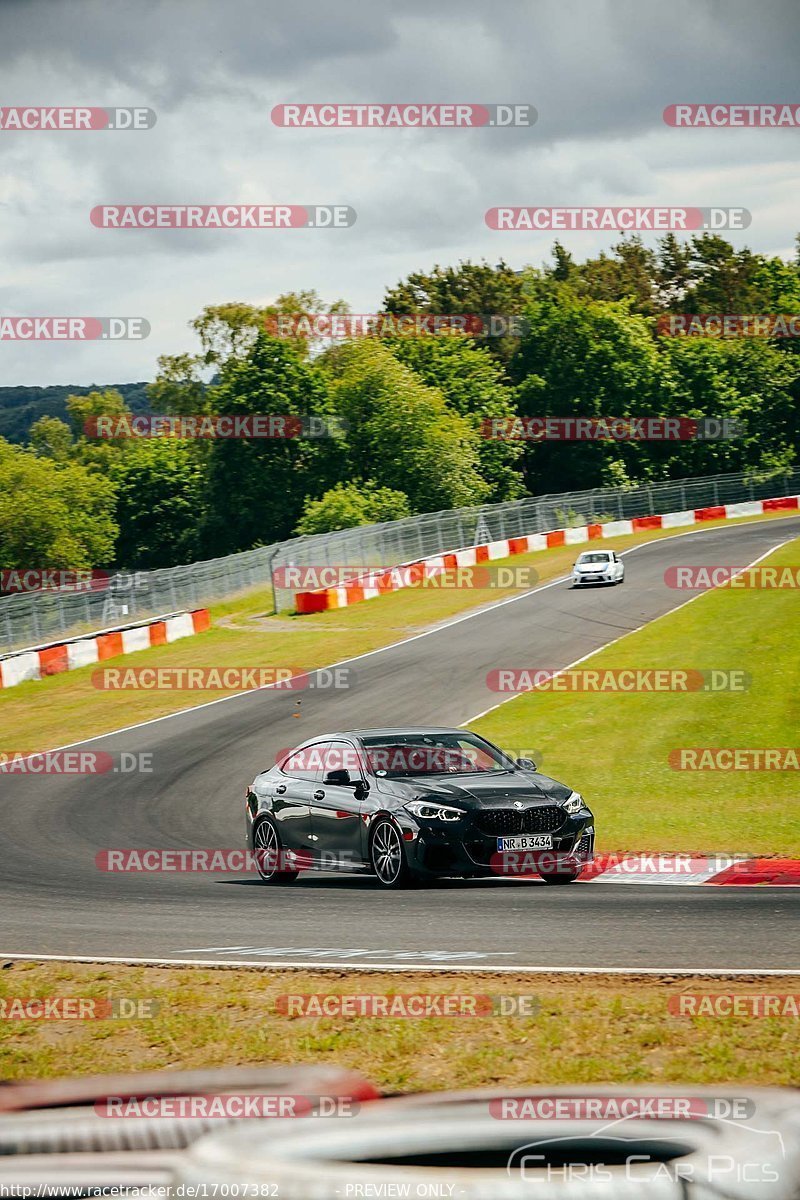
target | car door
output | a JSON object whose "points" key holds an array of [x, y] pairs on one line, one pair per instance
{"points": [[292, 789], [337, 810]]}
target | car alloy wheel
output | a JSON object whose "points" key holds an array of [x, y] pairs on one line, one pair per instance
{"points": [[267, 853], [388, 857]]}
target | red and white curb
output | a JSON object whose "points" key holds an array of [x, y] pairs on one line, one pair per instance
{"points": [[353, 591], [692, 869], [41, 661]]}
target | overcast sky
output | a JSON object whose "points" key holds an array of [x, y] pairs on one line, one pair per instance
{"points": [[599, 72]]}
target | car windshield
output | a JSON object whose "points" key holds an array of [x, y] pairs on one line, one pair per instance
{"points": [[594, 558], [403, 755]]}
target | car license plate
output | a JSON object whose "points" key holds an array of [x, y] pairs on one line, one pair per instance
{"points": [[538, 841]]}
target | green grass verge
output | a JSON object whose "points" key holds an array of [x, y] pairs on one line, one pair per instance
{"points": [[597, 1029], [614, 748], [68, 708]]}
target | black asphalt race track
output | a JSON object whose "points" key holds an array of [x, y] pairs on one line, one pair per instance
{"points": [[55, 901]]}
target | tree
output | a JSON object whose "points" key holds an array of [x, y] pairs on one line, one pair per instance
{"points": [[53, 515], [473, 385], [673, 276], [84, 409], [349, 504], [748, 380], [627, 273], [469, 288], [178, 388], [257, 486], [585, 358], [723, 279], [161, 487], [96, 453], [52, 438], [401, 434]]}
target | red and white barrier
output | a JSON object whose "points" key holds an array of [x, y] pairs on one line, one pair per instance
{"points": [[392, 580], [81, 652]]}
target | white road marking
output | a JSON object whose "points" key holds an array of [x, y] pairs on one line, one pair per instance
{"points": [[226, 964], [327, 951]]}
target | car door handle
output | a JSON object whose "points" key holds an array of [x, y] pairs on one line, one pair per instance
{"points": [[280, 789], [319, 794]]}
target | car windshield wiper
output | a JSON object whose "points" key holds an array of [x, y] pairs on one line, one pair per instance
{"points": [[504, 771]]}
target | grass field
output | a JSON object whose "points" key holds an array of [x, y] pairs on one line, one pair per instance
{"points": [[614, 748], [68, 708], [595, 1029]]}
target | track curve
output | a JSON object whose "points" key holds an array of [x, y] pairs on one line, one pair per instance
{"points": [[55, 902]]}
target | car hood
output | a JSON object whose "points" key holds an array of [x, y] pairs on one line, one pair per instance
{"points": [[593, 568], [480, 791]]}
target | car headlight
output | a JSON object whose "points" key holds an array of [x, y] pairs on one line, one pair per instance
{"points": [[433, 812], [574, 803]]}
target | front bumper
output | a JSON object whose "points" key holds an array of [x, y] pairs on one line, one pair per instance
{"points": [[469, 851], [579, 580]]}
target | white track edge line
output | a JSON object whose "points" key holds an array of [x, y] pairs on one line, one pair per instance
{"points": [[431, 968]]}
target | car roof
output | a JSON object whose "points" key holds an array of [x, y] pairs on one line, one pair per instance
{"points": [[404, 729], [386, 731]]}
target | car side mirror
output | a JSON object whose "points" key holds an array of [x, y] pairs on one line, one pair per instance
{"points": [[338, 778], [527, 764]]}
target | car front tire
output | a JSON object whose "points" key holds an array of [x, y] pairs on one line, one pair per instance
{"points": [[387, 856]]}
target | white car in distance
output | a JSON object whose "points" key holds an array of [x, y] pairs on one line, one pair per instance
{"points": [[597, 566]]}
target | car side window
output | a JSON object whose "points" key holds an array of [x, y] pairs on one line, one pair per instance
{"points": [[303, 764], [338, 756]]}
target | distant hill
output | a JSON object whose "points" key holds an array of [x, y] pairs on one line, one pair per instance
{"points": [[20, 407]]}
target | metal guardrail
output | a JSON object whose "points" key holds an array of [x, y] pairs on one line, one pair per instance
{"points": [[34, 617]]}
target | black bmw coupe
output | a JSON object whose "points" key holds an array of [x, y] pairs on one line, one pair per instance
{"points": [[411, 804]]}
